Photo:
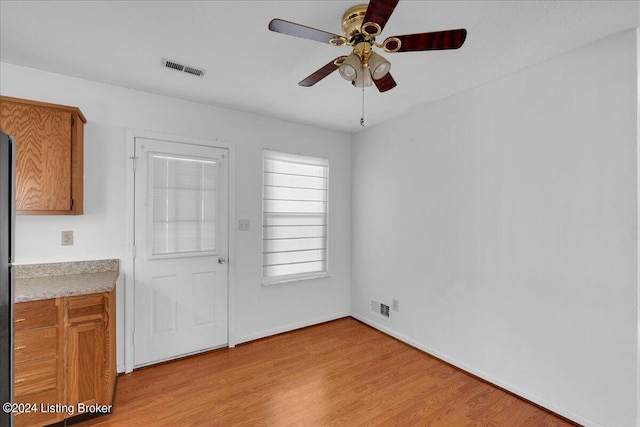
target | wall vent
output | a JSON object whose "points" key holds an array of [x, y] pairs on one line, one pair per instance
{"points": [[175, 65], [194, 71], [384, 310], [380, 309]]}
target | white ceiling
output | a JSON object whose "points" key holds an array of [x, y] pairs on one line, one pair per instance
{"points": [[252, 69]]}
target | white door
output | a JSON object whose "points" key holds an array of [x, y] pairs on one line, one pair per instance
{"points": [[181, 219]]}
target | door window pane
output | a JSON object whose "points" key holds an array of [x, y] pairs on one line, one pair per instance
{"points": [[184, 214]]}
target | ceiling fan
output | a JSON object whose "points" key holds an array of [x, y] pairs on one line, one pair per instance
{"points": [[361, 25]]}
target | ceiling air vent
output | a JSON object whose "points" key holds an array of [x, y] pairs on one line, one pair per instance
{"points": [[175, 65]]}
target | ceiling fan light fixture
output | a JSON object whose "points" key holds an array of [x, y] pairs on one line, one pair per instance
{"points": [[364, 78], [350, 67], [371, 29], [338, 41], [392, 44], [361, 25], [378, 65]]}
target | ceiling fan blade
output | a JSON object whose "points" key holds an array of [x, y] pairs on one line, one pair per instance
{"points": [[322, 72], [302, 31], [379, 12], [385, 83], [437, 40]]}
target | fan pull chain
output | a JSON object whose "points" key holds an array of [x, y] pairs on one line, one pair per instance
{"points": [[362, 118]]}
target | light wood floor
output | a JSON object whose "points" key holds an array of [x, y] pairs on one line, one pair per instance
{"points": [[341, 373]]}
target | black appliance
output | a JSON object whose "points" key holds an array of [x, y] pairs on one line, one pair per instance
{"points": [[7, 255]]}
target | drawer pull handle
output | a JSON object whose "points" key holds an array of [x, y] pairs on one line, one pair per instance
{"points": [[21, 347], [19, 320], [19, 380]]}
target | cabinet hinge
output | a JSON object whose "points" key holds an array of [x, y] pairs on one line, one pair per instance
{"points": [[72, 121], [71, 204], [135, 162], [133, 251]]}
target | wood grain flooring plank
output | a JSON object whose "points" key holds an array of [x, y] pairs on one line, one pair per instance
{"points": [[340, 373]]}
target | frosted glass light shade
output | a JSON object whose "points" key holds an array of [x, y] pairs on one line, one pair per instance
{"points": [[364, 78], [350, 67], [378, 65]]}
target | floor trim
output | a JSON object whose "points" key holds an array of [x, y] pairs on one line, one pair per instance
{"points": [[520, 394]]}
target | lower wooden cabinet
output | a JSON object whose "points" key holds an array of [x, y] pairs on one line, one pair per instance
{"points": [[39, 362], [90, 364], [65, 357]]}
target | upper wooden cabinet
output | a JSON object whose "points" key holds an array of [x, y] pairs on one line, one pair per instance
{"points": [[49, 155]]}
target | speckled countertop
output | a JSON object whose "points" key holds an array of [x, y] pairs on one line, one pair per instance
{"points": [[62, 279]]}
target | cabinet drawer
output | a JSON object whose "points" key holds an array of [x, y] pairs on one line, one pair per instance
{"points": [[43, 402], [35, 377], [85, 308], [36, 344], [35, 314]]}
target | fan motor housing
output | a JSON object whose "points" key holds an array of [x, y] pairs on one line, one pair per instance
{"points": [[352, 20]]}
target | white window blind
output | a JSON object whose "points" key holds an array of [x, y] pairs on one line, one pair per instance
{"points": [[295, 210], [183, 205]]}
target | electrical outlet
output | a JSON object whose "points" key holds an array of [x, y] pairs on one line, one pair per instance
{"points": [[395, 305], [243, 225], [67, 238]]}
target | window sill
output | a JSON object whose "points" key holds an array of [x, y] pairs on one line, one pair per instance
{"points": [[271, 282]]}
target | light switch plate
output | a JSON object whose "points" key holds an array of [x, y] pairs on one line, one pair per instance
{"points": [[243, 225]]}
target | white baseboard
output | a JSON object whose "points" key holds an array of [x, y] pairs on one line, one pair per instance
{"points": [[480, 374], [291, 327], [433, 352]]}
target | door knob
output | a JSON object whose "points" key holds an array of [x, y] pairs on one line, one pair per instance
{"points": [[222, 260]]}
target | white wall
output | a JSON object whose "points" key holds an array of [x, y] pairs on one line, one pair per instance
{"points": [[638, 210], [507, 228], [99, 233], [504, 220]]}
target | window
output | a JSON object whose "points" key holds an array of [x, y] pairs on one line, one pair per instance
{"points": [[295, 210], [183, 205]]}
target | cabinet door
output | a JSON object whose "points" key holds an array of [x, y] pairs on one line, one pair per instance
{"points": [[43, 155], [49, 155], [39, 381], [85, 324], [85, 355]]}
